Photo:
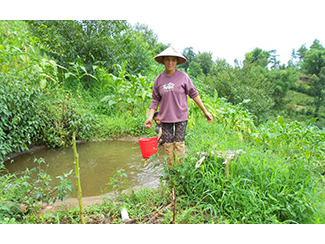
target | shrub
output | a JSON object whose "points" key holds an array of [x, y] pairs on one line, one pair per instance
{"points": [[34, 109], [22, 192]]}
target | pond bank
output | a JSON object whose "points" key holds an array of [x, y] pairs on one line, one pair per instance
{"points": [[72, 202]]}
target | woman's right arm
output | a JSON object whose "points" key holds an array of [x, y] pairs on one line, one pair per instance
{"points": [[199, 102], [148, 122]]}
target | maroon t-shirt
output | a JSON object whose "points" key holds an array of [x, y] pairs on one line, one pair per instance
{"points": [[170, 92]]}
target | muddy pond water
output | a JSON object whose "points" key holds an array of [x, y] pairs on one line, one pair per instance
{"points": [[98, 162]]}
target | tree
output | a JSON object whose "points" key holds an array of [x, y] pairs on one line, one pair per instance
{"points": [[93, 41], [317, 89], [143, 47], [246, 85], [195, 70], [302, 52], [140, 58], [316, 45], [205, 61], [190, 55], [283, 80], [293, 62], [147, 34], [314, 61], [257, 57], [159, 48], [221, 64], [273, 60]]}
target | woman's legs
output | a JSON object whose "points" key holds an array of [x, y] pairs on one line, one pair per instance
{"points": [[174, 134], [180, 130]]}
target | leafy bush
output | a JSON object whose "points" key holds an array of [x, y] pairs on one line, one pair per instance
{"points": [[128, 93], [244, 84], [21, 193], [230, 116], [34, 109], [294, 140]]}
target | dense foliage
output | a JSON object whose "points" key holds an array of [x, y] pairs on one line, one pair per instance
{"points": [[95, 78], [34, 108]]}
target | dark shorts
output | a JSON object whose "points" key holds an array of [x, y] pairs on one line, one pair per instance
{"points": [[174, 132]]}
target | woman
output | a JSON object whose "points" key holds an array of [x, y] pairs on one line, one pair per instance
{"points": [[170, 91]]}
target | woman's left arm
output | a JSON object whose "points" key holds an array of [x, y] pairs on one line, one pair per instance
{"points": [[199, 102]]}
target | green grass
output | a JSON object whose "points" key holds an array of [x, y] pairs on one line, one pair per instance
{"points": [[119, 126], [267, 185]]}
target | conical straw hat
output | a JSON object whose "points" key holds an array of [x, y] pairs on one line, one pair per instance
{"points": [[170, 51]]}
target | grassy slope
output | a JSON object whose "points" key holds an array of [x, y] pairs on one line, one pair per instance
{"points": [[299, 106]]}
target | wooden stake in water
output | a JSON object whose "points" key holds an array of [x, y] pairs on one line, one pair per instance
{"points": [[76, 162]]}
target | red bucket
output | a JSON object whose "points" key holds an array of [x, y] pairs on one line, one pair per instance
{"points": [[148, 146]]}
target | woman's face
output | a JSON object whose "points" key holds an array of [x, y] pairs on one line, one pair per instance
{"points": [[170, 63]]}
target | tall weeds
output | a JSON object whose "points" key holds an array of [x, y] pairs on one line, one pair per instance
{"points": [[266, 184]]}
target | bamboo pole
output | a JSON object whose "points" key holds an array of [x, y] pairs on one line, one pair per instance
{"points": [[174, 205], [76, 162]]}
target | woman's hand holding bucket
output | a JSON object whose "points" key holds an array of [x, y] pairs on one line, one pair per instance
{"points": [[148, 123]]}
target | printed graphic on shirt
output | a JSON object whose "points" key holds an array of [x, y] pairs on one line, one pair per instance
{"points": [[169, 87]]}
